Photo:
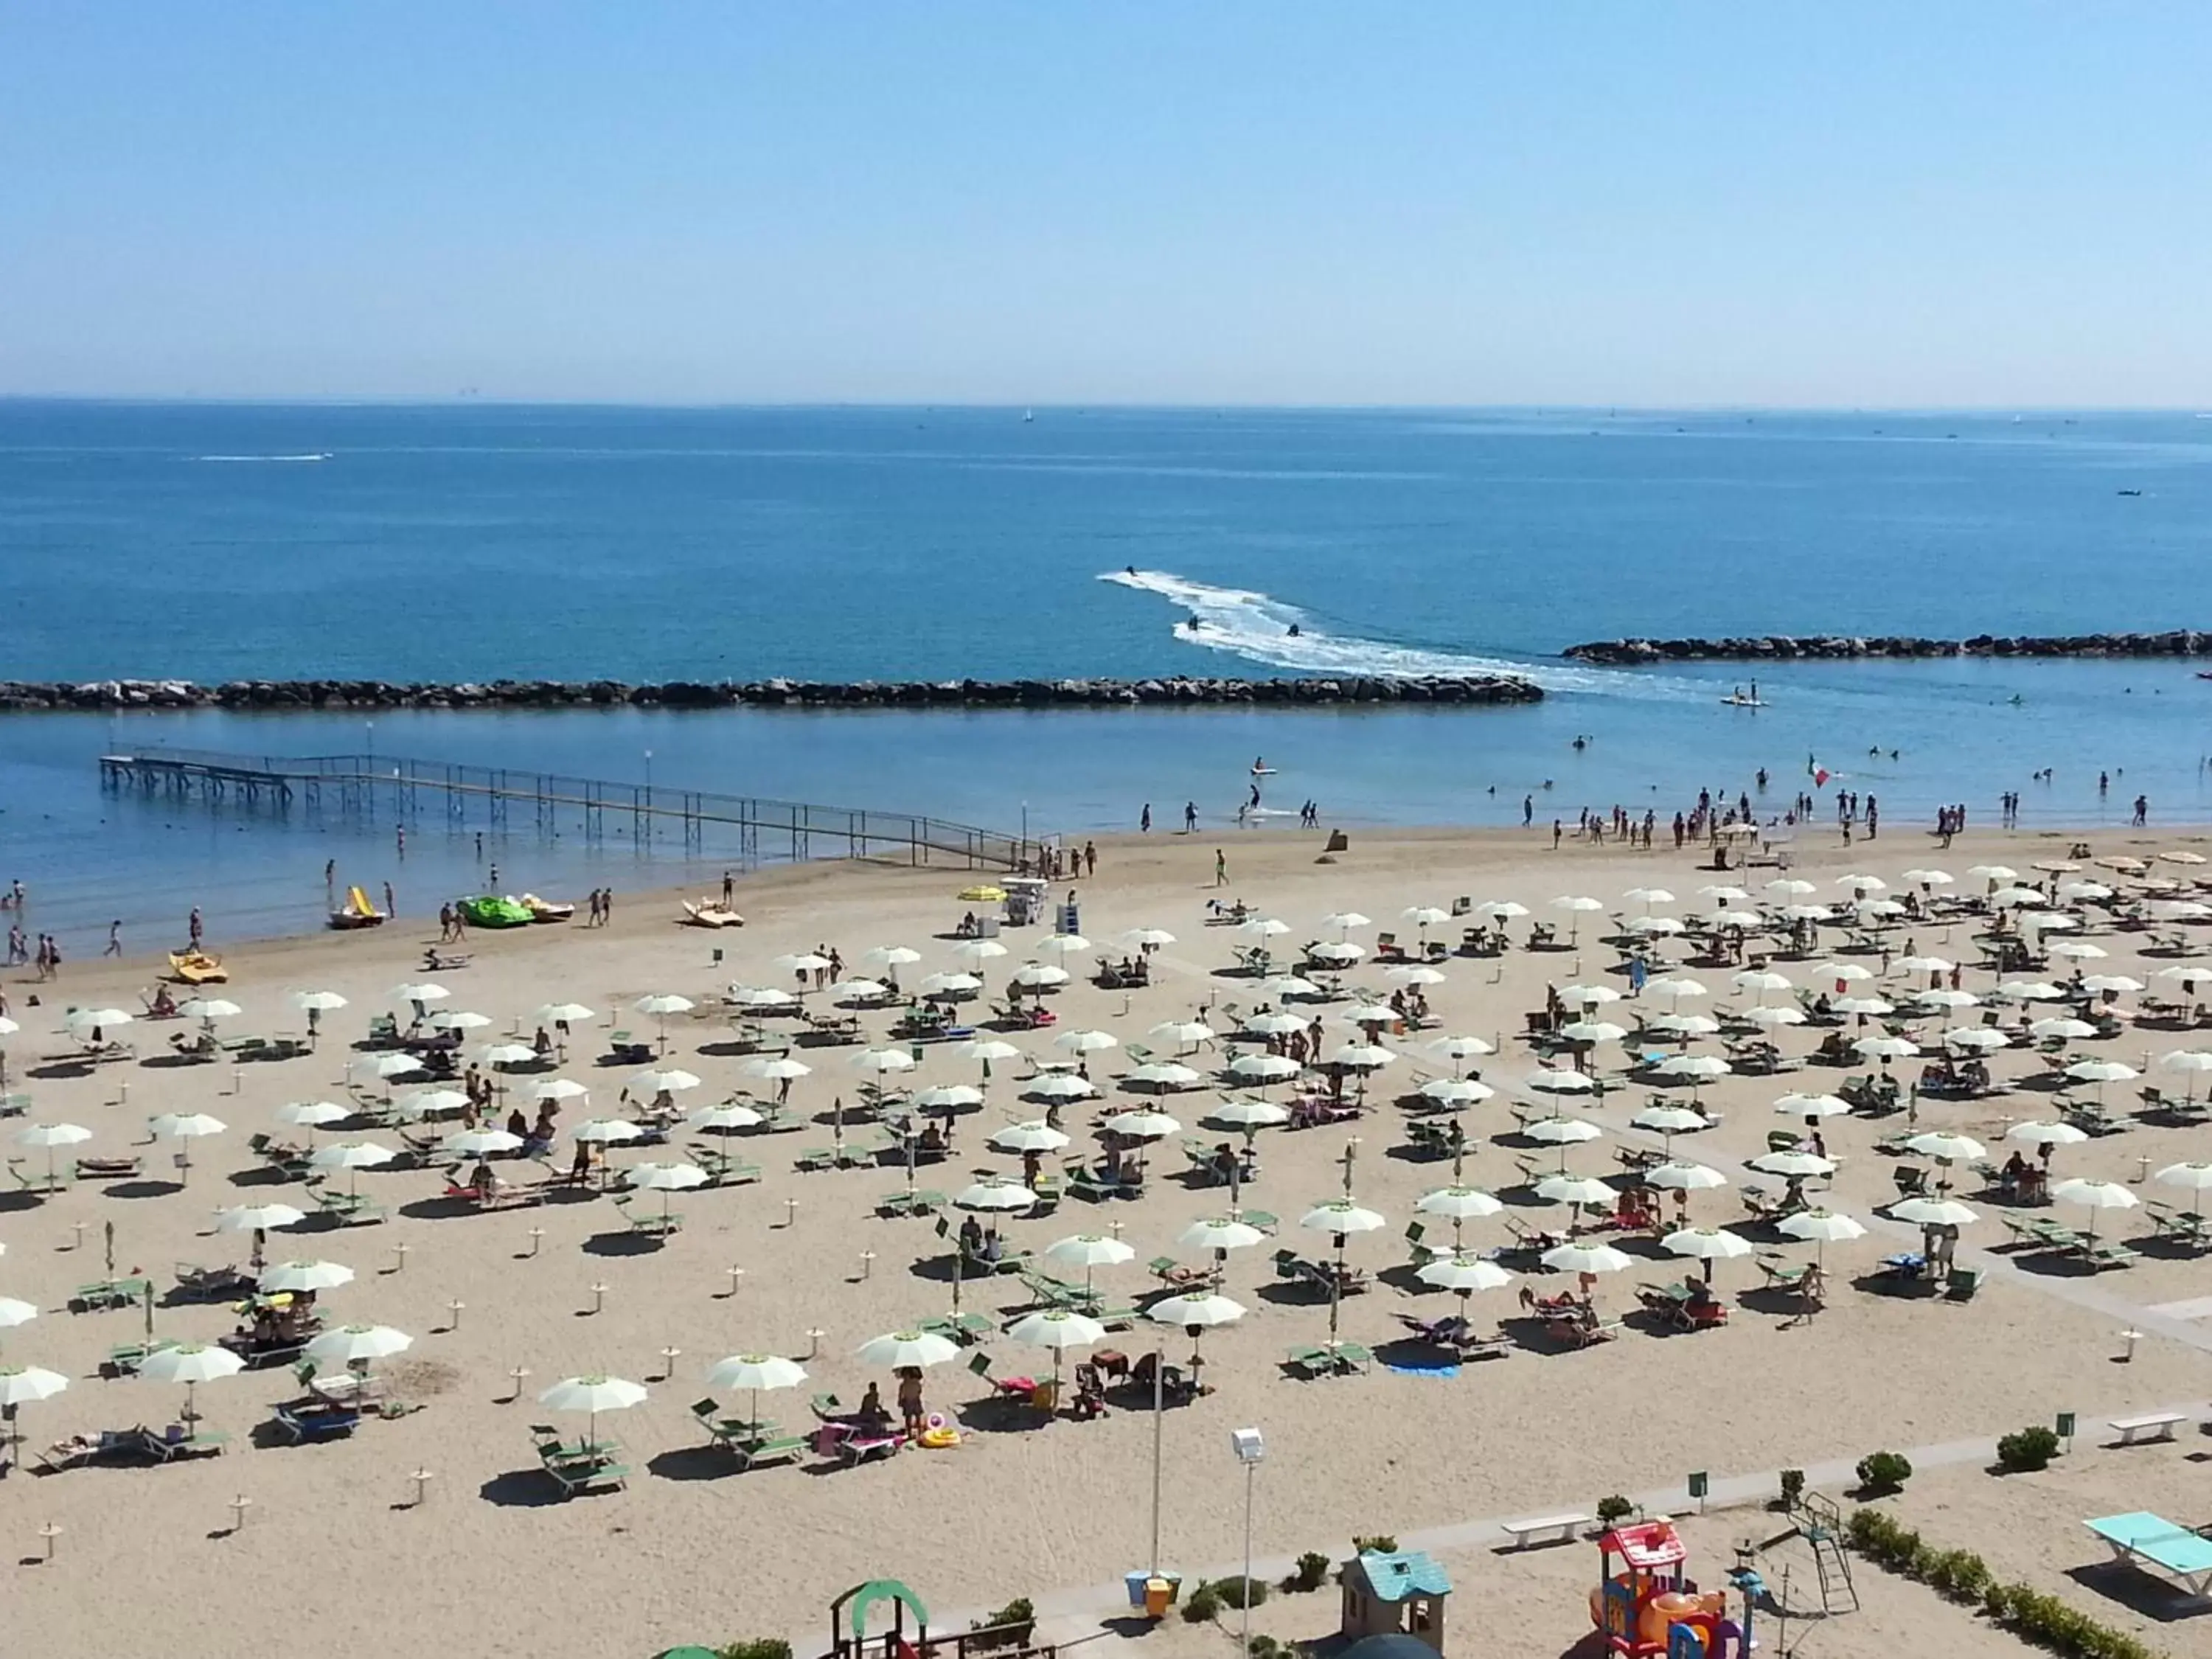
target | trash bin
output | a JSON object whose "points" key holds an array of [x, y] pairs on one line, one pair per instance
{"points": [[1160, 1594]]}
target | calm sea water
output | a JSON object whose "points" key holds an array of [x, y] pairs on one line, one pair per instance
{"points": [[217, 542]]}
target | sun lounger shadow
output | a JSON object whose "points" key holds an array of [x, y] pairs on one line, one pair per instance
{"points": [[1771, 1299], [624, 1243], [58, 1069]]}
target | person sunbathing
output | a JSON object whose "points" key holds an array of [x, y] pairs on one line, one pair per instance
{"points": [[163, 1005]]}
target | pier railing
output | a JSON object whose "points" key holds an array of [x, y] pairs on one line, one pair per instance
{"points": [[800, 830]]}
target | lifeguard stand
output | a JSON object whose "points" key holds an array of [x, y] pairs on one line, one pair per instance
{"points": [[1400, 1593]]}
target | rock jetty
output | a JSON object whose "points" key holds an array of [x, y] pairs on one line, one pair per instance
{"points": [[1785, 648], [282, 697]]}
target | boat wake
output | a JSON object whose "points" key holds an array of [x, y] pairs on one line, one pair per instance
{"points": [[1257, 628], [325, 456]]}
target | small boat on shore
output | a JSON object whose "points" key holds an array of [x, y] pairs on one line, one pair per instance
{"points": [[1738, 701], [543, 910], [356, 912]]}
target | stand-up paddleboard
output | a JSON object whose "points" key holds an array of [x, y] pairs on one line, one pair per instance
{"points": [[1740, 702]]}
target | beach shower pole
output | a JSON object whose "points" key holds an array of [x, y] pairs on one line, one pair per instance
{"points": [[1159, 1418]]}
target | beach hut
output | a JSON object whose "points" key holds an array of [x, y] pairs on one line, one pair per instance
{"points": [[1398, 1593]]}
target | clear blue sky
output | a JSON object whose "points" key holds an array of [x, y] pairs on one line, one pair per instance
{"points": [[1964, 202]]}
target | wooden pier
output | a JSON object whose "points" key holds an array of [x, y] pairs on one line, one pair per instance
{"points": [[360, 783]]}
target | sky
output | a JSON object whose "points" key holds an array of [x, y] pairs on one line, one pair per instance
{"points": [[1977, 203]]}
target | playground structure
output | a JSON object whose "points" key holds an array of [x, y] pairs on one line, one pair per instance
{"points": [[1649, 1608], [850, 1638]]}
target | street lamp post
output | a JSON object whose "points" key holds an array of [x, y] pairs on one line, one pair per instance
{"points": [[1251, 1448]]}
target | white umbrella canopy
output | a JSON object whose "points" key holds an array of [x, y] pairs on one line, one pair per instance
{"points": [[1143, 1125], [186, 1126], [14, 1313], [1862, 883], [1808, 913], [1579, 904], [2077, 949], [506, 1053], [1464, 1274], [1721, 893], [2120, 984], [564, 1013], [1805, 1105], [1694, 1069], [1802, 1165], [1886, 1047], [1671, 1120], [1946, 1148], [1975, 1036], [458, 1019], [1344, 920], [1458, 1203], [881, 1061], [316, 1002], [1416, 974], [1039, 975], [1264, 1068], [900, 1350], [1933, 1213], [422, 992], [1593, 1031], [2180, 856], [1746, 919], [1189, 1031], [1340, 1217], [756, 1372], [1262, 928], [351, 1156], [979, 951], [2095, 1195], [1283, 986], [1847, 972], [949, 985], [1063, 945], [762, 996], [1587, 1258], [1338, 953], [1200, 1312], [2031, 990], [1085, 1042], [2192, 1178], [1762, 981], [726, 1117], [995, 1196], [1581, 1191], [1656, 925], [206, 1008], [2062, 1025], [1425, 915], [591, 1395], [2189, 976], [1061, 1085], [1454, 1092], [1774, 1018], [660, 1005], [1561, 1082], [799, 962], [949, 1097], [1675, 987], [1090, 1250], [1058, 1329], [258, 1218], [1705, 1244], [2179, 909], [191, 1364], [1821, 1226], [859, 990], [1501, 909], [1946, 998], [386, 1066], [1459, 1047], [2084, 889], [987, 1049], [313, 1113], [1685, 1177], [1146, 938], [1361, 1056], [1272, 1025], [1589, 996], [608, 1130], [664, 1177], [1166, 1074], [1648, 896], [295, 1276], [482, 1143], [1248, 1115], [1922, 964], [1790, 887], [1866, 1006], [50, 1136], [1220, 1232], [558, 1089], [1561, 1131], [26, 1385], [2102, 1072], [81, 1021], [433, 1103], [2046, 1134]]}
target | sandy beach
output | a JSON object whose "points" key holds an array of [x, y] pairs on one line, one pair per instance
{"points": [[503, 1305]]}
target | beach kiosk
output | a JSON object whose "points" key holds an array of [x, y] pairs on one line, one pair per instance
{"points": [[1398, 1593]]}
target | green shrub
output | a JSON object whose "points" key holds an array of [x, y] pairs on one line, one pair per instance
{"points": [[1009, 1627], [1200, 1604], [1793, 1487], [1267, 1647], [1381, 1544], [1614, 1509], [1240, 1592], [2031, 1449], [759, 1647], [1884, 1471], [1311, 1573]]}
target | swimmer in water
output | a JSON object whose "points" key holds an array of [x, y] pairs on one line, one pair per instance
{"points": [[1294, 630]]}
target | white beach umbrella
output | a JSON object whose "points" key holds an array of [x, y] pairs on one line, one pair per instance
{"points": [[1580, 904], [2016, 898], [1821, 1226], [987, 1049], [949, 1097], [1580, 1191], [191, 1364], [1221, 1233], [756, 1373], [297, 1276], [1886, 1047], [558, 1089], [82, 1022], [1587, 1258], [2195, 1179], [1144, 1125], [1061, 1085], [2078, 890], [258, 1218], [1262, 928], [458, 1019], [1686, 1025], [1928, 878], [1146, 938], [977, 951], [1946, 998], [1040, 975], [1276, 1025], [2094, 1196], [1263, 1068], [352, 1157], [1085, 1042], [1812, 1105], [591, 1395], [1994, 873], [1501, 909], [387, 1067], [880, 1061], [1195, 1312], [664, 1178], [1561, 1131], [1788, 1164], [1416, 974], [890, 957], [1933, 1213], [773, 1068], [1862, 883], [1361, 1056], [1248, 1115], [1337, 953], [422, 993], [26, 1385], [859, 990], [482, 1143], [2063, 1026], [1808, 913], [1677, 987], [1946, 1148], [1035, 1137], [14, 1313], [608, 1130], [50, 1136], [1694, 1069], [1975, 1036], [1748, 919], [186, 1126], [1283, 986], [2178, 856], [1340, 1217], [316, 1002], [433, 1103], [1063, 945], [1165, 1074], [1057, 1329], [1774, 1018], [1666, 926], [1344, 920], [1561, 1082], [2101, 1072], [1589, 996], [210, 1009], [2179, 909], [1458, 1204], [799, 962], [2046, 1134], [1465, 1275], [2119, 984], [662, 1004], [1861, 1005], [669, 1080], [1845, 973], [1922, 964], [1648, 896], [2076, 950], [762, 996], [1705, 1244], [1425, 916], [726, 1117], [1189, 1032], [1593, 1031], [1761, 981], [1449, 1092], [1089, 1251], [313, 1113], [506, 1053], [906, 1349], [1459, 1048], [1684, 1177], [995, 1196], [1671, 1120], [1790, 887], [564, 1013], [1721, 893]]}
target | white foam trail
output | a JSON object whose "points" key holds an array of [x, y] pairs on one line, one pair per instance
{"points": [[1256, 627], [324, 457]]}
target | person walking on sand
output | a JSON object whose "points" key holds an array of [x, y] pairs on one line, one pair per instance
{"points": [[330, 875], [729, 891], [198, 928], [1190, 817], [1090, 858], [1145, 820], [400, 838], [1220, 868], [390, 908], [114, 938]]}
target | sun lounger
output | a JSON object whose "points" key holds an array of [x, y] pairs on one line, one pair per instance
{"points": [[175, 1442], [2160, 1548], [573, 1475], [962, 1327], [109, 1169], [110, 1293], [654, 1224], [209, 1284], [307, 1420], [350, 1209]]}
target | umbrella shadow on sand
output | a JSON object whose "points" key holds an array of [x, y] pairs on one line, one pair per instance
{"points": [[522, 1489], [693, 1463], [142, 1189], [623, 1244]]}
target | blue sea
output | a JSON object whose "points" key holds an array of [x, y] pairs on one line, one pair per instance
{"points": [[214, 542]]}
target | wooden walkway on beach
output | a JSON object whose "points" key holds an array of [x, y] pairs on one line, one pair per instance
{"points": [[355, 783]]}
